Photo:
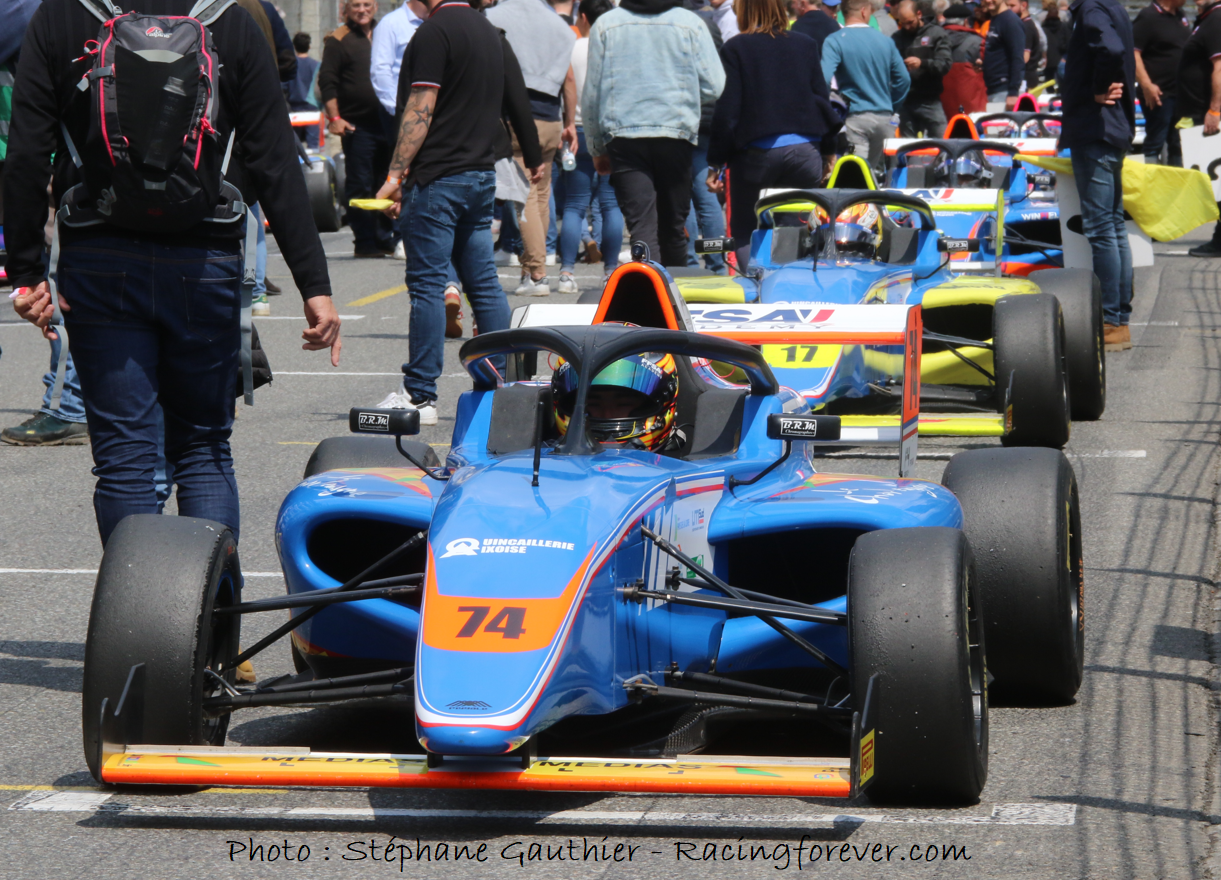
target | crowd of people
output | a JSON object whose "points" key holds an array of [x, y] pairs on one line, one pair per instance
{"points": [[555, 123]]}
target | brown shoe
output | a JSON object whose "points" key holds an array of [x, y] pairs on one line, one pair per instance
{"points": [[1116, 337], [592, 253], [453, 313]]}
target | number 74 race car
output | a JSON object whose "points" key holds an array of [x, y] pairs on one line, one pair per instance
{"points": [[572, 614]]}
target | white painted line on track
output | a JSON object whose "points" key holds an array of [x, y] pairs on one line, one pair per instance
{"points": [[249, 574], [1001, 814], [1154, 324], [279, 373], [301, 317], [946, 456]]}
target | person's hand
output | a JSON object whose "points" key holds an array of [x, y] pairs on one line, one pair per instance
{"points": [[912, 63], [323, 330], [714, 182], [36, 307], [1153, 94], [392, 190], [568, 137], [1212, 124], [340, 126], [1113, 94], [1011, 102], [537, 173], [602, 165]]}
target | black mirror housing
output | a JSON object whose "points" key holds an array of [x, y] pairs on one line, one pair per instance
{"points": [[714, 245], [958, 245], [393, 422], [782, 426]]}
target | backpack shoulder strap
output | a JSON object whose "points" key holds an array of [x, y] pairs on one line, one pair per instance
{"points": [[103, 10], [205, 11]]}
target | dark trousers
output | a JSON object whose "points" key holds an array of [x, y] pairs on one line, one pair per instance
{"points": [[150, 323], [922, 116], [652, 181], [367, 155], [798, 165], [1160, 132]]}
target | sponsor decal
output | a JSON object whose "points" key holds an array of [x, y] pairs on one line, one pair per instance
{"points": [[156, 32], [798, 427], [371, 421], [473, 546], [867, 757], [777, 316], [469, 704]]}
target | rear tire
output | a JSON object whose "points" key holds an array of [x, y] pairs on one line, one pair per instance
{"points": [[343, 453], [1080, 297], [320, 186], [1023, 519], [1028, 334], [340, 163], [914, 617], [159, 580]]}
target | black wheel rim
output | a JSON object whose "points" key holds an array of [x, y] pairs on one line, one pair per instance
{"points": [[221, 633], [977, 669], [1076, 573]]}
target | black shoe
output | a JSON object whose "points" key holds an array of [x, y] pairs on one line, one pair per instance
{"points": [[273, 289], [46, 430], [1212, 249]]}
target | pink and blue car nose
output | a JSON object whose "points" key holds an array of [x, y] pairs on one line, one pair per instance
{"points": [[472, 740]]}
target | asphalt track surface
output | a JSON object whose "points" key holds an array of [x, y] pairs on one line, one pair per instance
{"points": [[1122, 784]]}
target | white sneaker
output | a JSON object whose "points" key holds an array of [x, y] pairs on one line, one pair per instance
{"points": [[530, 287], [400, 251], [514, 260], [260, 307], [568, 284], [401, 399], [550, 261]]}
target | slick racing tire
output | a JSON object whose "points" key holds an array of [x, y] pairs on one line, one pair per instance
{"points": [[1023, 518], [339, 453], [341, 184], [160, 578], [1080, 297], [323, 201], [914, 618], [1028, 335]]}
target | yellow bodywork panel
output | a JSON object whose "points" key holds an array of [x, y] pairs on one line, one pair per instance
{"points": [[797, 356], [938, 424], [711, 289], [943, 368], [974, 290]]}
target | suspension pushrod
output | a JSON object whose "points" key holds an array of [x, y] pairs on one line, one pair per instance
{"points": [[739, 605]]}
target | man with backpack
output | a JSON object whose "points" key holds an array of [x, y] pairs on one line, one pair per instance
{"points": [[962, 89], [163, 130]]}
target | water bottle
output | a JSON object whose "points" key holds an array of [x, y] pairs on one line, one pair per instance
{"points": [[568, 160]]}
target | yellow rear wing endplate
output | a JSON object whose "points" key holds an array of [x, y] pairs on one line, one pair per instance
{"points": [[867, 430]]}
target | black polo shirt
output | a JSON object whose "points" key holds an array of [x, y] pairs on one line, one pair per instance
{"points": [[1196, 69], [1159, 36], [456, 51]]}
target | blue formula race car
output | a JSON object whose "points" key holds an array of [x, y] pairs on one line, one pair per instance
{"points": [[622, 559], [1002, 356]]}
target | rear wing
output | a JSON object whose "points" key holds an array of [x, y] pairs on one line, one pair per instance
{"points": [[1029, 146], [812, 324]]}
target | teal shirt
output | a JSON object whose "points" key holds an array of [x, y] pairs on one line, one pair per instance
{"points": [[867, 68]]}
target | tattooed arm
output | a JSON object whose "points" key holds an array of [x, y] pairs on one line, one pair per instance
{"points": [[417, 117]]}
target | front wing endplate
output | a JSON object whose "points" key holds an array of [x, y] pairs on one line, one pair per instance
{"points": [[696, 774]]}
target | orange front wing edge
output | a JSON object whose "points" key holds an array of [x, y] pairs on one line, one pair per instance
{"points": [[700, 774]]}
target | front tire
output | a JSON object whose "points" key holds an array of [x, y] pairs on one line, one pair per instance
{"points": [[914, 617], [1028, 335], [323, 201], [355, 451], [1080, 297], [160, 578], [1023, 518]]}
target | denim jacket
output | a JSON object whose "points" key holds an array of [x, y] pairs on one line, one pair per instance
{"points": [[648, 76]]}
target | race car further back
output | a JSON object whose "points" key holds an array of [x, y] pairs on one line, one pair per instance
{"points": [[550, 593], [1031, 355]]}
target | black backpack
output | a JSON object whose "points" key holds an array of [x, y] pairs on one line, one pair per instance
{"points": [[153, 161]]}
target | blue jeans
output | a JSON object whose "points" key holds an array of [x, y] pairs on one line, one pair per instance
{"points": [[557, 196], [510, 232], [71, 407], [582, 186], [1160, 131], [449, 220], [260, 261], [150, 324], [367, 157], [1098, 168], [706, 217]]}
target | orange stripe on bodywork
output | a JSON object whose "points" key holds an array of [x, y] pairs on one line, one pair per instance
{"points": [[443, 618], [659, 287], [706, 776]]}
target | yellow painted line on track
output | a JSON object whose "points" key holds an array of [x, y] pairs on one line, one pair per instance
{"points": [[379, 296]]}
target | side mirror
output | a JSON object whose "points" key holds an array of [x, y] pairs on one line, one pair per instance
{"points": [[391, 422], [781, 426], [958, 245], [714, 245]]}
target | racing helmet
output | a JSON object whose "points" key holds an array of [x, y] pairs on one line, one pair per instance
{"points": [[633, 400], [858, 230], [969, 168]]}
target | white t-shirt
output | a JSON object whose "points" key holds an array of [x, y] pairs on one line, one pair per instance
{"points": [[580, 62]]}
